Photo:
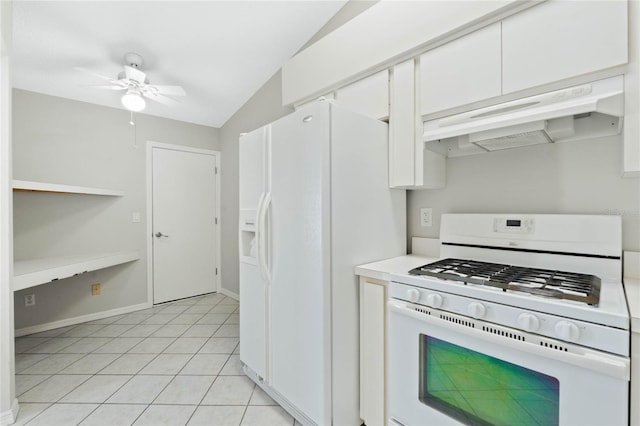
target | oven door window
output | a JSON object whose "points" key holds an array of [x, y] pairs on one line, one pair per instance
{"points": [[478, 389]]}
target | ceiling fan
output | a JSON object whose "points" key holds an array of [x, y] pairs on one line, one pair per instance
{"points": [[137, 85]]}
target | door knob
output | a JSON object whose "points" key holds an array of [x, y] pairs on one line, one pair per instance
{"points": [[161, 235]]}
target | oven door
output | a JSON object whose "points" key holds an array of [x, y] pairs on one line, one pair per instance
{"points": [[446, 369]]}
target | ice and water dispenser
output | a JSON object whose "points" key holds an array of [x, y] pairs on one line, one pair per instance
{"points": [[248, 242]]}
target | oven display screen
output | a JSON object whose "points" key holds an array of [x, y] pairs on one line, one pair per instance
{"points": [[477, 389], [512, 222]]}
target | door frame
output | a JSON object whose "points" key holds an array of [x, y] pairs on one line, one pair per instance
{"points": [[218, 226]]}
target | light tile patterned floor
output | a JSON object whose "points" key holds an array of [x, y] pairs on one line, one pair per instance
{"points": [[173, 364]]}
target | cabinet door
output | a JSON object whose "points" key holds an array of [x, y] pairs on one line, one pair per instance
{"points": [[373, 297], [561, 39], [410, 164], [402, 126], [463, 71], [369, 96]]}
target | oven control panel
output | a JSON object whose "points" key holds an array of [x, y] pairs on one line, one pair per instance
{"points": [[515, 225], [551, 326]]}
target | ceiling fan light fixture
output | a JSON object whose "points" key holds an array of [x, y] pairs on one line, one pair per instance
{"points": [[133, 101]]}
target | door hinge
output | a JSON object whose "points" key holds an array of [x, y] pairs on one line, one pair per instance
{"points": [[216, 271], [216, 170], [216, 220]]}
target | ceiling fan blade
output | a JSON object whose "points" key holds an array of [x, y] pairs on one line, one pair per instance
{"points": [[134, 74], [170, 90], [165, 100], [109, 79], [114, 87]]}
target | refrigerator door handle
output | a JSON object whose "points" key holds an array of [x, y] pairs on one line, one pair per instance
{"points": [[258, 231], [263, 240]]}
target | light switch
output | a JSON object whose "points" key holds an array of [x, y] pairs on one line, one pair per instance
{"points": [[135, 217]]}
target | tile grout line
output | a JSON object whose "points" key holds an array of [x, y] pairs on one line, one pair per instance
{"points": [[226, 315]]}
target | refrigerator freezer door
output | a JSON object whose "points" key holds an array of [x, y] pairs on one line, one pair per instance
{"points": [[253, 342], [253, 181], [253, 289], [299, 223]]}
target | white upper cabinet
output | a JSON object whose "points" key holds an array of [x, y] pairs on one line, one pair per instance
{"points": [[558, 39], [550, 42], [369, 96], [376, 38], [410, 164], [463, 71], [402, 135]]}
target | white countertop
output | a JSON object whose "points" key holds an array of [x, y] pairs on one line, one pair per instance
{"points": [[425, 250], [632, 287], [381, 270]]}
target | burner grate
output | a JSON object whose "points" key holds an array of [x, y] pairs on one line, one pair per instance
{"points": [[541, 282]]}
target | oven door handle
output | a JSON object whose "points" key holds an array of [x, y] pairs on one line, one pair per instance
{"points": [[610, 365]]}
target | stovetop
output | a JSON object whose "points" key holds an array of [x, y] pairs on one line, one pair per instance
{"points": [[534, 281], [479, 251], [611, 309]]}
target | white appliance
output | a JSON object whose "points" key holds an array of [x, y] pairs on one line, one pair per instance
{"points": [[523, 321], [314, 202], [590, 110]]}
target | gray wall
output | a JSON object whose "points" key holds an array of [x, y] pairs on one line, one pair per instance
{"points": [[581, 177], [265, 106], [75, 143]]}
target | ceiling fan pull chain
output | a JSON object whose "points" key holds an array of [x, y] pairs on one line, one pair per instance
{"points": [[135, 131]]}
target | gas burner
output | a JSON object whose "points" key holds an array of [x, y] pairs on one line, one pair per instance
{"points": [[540, 282]]}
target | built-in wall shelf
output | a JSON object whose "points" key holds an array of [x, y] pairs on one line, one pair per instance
{"points": [[28, 186], [32, 272]]}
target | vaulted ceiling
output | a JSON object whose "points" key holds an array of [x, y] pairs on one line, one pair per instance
{"points": [[220, 52]]}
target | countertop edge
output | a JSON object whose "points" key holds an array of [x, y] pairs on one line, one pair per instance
{"points": [[381, 270]]}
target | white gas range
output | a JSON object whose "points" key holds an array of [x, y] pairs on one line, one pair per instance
{"points": [[523, 321]]}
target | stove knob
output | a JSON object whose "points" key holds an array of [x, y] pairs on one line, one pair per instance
{"points": [[476, 310], [528, 322], [434, 300], [567, 331], [413, 295]]}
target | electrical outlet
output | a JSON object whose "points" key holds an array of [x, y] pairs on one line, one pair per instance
{"points": [[426, 216], [95, 289], [29, 299]]}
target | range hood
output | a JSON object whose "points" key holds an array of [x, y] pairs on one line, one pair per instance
{"points": [[586, 111]]}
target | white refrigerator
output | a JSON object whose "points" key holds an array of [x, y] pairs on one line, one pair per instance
{"points": [[314, 203]]}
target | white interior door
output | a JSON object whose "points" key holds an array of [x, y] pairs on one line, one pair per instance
{"points": [[183, 223]]}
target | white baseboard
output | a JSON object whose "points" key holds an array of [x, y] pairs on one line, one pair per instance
{"points": [[230, 294], [10, 416], [80, 319]]}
